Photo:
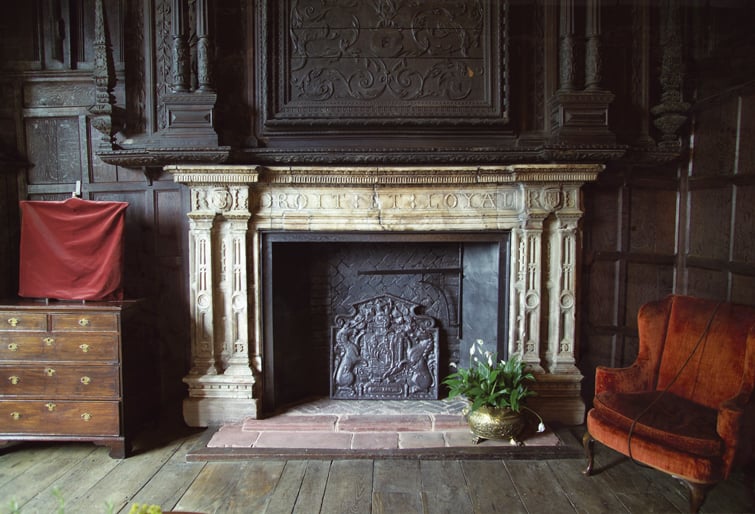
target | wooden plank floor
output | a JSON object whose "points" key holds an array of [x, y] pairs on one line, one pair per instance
{"points": [[39, 478]]}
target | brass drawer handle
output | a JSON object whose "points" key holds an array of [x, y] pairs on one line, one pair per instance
{"points": [[14, 379], [49, 371], [13, 347], [86, 380], [50, 406], [84, 347], [48, 341], [86, 416], [15, 415], [84, 322], [13, 321]]}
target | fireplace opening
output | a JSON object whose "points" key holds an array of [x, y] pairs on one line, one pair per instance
{"points": [[313, 281]]}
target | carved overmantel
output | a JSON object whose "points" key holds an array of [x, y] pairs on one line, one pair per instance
{"points": [[232, 205]]}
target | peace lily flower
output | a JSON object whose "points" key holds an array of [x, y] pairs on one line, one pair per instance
{"points": [[492, 383]]}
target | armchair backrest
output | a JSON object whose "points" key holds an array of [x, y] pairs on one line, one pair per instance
{"points": [[722, 366]]}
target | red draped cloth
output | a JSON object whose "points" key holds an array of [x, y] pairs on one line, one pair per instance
{"points": [[71, 250]]}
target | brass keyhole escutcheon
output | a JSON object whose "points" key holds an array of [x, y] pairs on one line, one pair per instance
{"points": [[13, 322], [86, 416], [49, 372], [15, 415], [13, 347], [84, 347], [86, 380], [84, 322], [50, 406], [13, 379], [48, 341]]}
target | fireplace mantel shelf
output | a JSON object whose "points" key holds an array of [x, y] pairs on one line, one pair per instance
{"points": [[232, 205]]}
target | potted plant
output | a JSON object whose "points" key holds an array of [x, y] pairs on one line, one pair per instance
{"points": [[496, 391]]}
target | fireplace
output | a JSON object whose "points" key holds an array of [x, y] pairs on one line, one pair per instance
{"points": [[362, 315], [239, 215]]}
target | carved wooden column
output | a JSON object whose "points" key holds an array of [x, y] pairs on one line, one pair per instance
{"points": [[189, 114], [104, 81], [580, 116], [593, 59], [566, 65], [671, 113], [204, 48], [180, 64]]}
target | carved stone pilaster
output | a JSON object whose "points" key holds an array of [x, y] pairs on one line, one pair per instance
{"points": [[528, 303], [222, 379], [562, 290], [201, 288]]}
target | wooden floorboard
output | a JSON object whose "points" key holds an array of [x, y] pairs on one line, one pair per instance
{"points": [[490, 487], [349, 487], [39, 478]]}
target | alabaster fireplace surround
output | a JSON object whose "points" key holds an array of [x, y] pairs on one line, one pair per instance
{"points": [[233, 206]]}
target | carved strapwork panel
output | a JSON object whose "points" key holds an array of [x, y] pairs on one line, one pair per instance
{"points": [[375, 63]]}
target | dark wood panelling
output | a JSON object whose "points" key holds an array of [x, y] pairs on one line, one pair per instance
{"points": [[53, 148], [743, 233]]}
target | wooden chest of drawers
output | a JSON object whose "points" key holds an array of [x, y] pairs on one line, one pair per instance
{"points": [[62, 373]]}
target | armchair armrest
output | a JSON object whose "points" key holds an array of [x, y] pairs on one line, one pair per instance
{"points": [[732, 426], [622, 380]]}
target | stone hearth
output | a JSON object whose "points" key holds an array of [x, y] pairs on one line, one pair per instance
{"points": [[233, 206]]}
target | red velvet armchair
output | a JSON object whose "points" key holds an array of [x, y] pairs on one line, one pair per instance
{"points": [[686, 405]]}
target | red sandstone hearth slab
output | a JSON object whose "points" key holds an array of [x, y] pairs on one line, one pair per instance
{"points": [[375, 441], [449, 422], [282, 439], [232, 436], [421, 440], [232, 442], [385, 423], [310, 423]]}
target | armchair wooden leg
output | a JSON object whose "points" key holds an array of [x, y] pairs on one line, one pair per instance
{"points": [[589, 444], [697, 493]]}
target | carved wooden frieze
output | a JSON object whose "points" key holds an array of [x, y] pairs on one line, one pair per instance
{"points": [[347, 62], [383, 350]]}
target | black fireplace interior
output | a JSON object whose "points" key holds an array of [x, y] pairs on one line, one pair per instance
{"points": [[458, 279]]}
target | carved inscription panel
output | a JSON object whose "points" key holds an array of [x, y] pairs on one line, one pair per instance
{"points": [[350, 61]]}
